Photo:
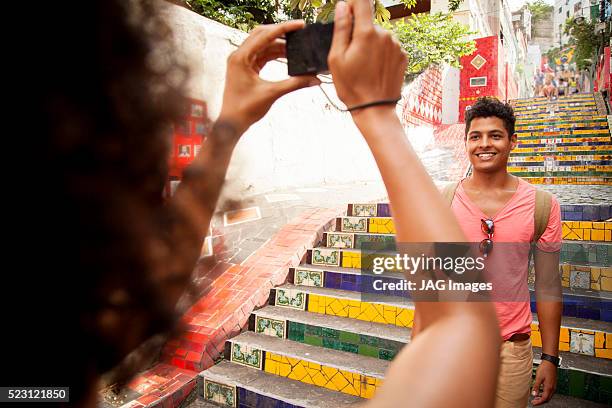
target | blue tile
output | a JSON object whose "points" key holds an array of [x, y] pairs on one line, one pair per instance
{"points": [[383, 210]]}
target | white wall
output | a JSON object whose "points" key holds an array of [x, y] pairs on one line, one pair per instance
{"points": [[302, 140], [450, 95]]}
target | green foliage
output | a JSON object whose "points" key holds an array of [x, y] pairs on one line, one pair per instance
{"points": [[432, 40], [586, 42], [539, 10], [240, 14]]}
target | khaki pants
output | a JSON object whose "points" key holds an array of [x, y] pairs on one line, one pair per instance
{"points": [[514, 380]]}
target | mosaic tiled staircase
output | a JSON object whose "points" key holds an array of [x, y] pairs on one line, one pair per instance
{"points": [[566, 141], [321, 343]]}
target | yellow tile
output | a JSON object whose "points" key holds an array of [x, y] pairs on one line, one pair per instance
{"points": [[609, 340], [339, 381], [353, 312], [405, 317], [603, 353], [535, 327], [606, 272], [595, 274], [319, 379], [298, 372], [564, 347], [586, 236], [597, 235], [586, 224], [595, 286], [564, 335], [368, 391], [390, 314], [599, 340], [606, 283], [536, 339], [565, 283], [598, 225], [608, 225], [271, 366], [608, 235]]}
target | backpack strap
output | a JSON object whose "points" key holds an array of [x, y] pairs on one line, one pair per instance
{"points": [[448, 192], [543, 203]]}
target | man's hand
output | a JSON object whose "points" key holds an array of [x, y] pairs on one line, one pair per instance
{"points": [[366, 62], [247, 97], [546, 378]]}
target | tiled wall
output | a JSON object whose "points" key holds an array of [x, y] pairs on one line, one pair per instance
{"points": [[483, 63]]}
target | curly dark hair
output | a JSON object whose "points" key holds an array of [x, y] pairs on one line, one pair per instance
{"points": [[486, 107], [89, 222]]}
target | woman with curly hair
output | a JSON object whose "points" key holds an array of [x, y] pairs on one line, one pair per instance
{"points": [[116, 257]]}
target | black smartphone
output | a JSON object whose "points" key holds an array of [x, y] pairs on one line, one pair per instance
{"points": [[308, 48]]}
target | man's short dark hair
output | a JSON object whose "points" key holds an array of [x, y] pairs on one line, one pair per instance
{"points": [[486, 107]]}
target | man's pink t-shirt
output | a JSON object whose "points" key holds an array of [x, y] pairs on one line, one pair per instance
{"points": [[514, 223]]}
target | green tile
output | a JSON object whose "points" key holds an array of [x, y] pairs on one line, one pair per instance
{"points": [[576, 384], [366, 350], [313, 341], [350, 347], [369, 340], [388, 355], [330, 333], [296, 331], [332, 343], [349, 337], [313, 330]]}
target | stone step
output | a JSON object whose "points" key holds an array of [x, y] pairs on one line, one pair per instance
{"points": [[341, 371], [604, 177], [556, 138], [579, 301], [562, 122], [582, 377], [538, 169], [569, 114], [570, 212], [547, 149], [562, 153], [604, 145], [235, 385], [535, 130], [565, 160], [399, 311], [376, 340], [587, 231], [604, 181], [375, 225]]}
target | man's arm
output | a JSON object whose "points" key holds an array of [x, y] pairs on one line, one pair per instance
{"points": [[549, 297], [549, 307]]}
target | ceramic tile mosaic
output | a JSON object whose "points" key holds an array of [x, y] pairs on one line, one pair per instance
{"points": [[587, 231], [224, 395], [586, 212], [353, 224], [246, 355], [344, 341], [365, 210], [251, 399], [584, 385], [580, 279], [291, 298], [308, 277], [270, 327], [325, 256], [366, 311], [586, 254], [321, 375], [241, 216], [351, 259], [382, 225], [582, 343], [588, 342], [386, 239], [340, 240]]}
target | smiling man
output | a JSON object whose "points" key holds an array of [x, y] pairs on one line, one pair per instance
{"points": [[494, 207]]}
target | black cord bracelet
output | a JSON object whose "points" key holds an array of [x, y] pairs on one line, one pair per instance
{"points": [[377, 103]]}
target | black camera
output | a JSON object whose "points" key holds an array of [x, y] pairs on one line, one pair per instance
{"points": [[308, 48]]}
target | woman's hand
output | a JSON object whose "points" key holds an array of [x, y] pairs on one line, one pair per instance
{"points": [[366, 62], [247, 97]]}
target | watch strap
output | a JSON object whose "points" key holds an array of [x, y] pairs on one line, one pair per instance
{"points": [[555, 360]]}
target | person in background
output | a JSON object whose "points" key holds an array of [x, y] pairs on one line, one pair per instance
{"points": [[539, 83]]}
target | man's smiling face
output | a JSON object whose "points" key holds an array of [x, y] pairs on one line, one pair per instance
{"points": [[488, 144]]}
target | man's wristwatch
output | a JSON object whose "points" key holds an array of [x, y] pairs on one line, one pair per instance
{"points": [[555, 360]]}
